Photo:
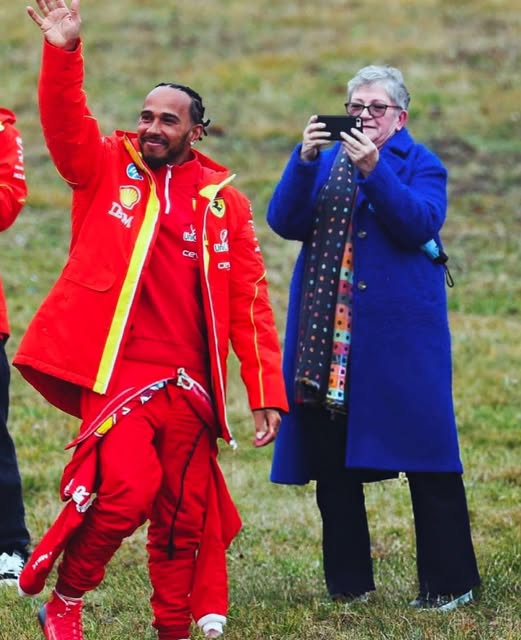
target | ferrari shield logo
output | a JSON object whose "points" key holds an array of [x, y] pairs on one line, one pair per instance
{"points": [[218, 207]]}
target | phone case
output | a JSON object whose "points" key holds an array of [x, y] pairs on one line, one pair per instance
{"points": [[336, 124]]}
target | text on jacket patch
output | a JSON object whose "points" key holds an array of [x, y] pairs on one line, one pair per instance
{"points": [[190, 236], [19, 167], [221, 247], [116, 210]]}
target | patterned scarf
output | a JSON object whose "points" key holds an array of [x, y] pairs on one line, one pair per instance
{"points": [[324, 337]]}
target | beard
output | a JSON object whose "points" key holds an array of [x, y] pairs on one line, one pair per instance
{"points": [[154, 162], [173, 154]]}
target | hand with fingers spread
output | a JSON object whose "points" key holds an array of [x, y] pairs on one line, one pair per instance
{"points": [[59, 24], [314, 138]]}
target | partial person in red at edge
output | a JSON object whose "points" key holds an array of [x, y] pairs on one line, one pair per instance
{"points": [[164, 271], [14, 537]]}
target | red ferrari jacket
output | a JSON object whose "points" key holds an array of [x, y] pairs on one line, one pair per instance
{"points": [[75, 339], [13, 188]]}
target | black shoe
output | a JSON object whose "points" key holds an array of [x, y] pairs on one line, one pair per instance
{"points": [[447, 602]]}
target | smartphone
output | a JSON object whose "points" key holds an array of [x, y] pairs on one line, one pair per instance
{"points": [[336, 124]]}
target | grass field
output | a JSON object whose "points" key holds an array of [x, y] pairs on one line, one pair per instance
{"points": [[263, 67]]}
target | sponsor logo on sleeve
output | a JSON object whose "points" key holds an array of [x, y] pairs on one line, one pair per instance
{"points": [[132, 172], [19, 171], [222, 247], [190, 236]]}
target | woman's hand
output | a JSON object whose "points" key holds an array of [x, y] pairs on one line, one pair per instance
{"points": [[361, 150], [313, 139]]}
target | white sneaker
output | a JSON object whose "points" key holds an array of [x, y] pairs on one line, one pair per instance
{"points": [[212, 625], [11, 565]]}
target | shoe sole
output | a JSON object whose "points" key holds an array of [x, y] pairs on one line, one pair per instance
{"points": [[457, 602], [448, 606]]}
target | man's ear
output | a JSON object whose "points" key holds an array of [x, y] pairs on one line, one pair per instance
{"points": [[196, 133]]}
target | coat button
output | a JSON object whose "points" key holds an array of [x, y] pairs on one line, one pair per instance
{"points": [[362, 234], [362, 285]]}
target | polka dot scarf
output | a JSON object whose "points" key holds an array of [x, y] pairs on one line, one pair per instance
{"points": [[324, 337]]}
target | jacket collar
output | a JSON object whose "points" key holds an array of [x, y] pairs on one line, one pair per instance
{"points": [[397, 148], [210, 166]]}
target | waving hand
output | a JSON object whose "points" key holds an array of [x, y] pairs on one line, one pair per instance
{"points": [[59, 24]]}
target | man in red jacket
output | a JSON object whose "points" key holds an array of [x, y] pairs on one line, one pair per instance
{"points": [[164, 271], [14, 536]]}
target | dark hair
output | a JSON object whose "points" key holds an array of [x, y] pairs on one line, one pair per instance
{"points": [[196, 108]]}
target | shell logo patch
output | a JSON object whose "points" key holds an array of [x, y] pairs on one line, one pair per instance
{"points": [[218, 207], [129, 196]]}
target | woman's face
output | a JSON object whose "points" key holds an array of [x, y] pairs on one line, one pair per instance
{"points": [[379, 130]]}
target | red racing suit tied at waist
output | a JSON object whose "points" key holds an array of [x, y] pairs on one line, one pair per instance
{"points": [[128, 399], [78, 485]]}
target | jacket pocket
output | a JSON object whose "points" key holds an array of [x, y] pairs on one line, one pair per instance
{"points": [[89, 273]]}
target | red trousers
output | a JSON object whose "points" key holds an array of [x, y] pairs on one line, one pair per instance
{"points": [[154, 464]]}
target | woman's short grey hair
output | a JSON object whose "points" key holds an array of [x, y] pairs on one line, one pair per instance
{"points": [[389, 77]]}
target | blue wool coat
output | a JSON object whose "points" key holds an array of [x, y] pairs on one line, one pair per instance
{"points": [[401, 413]]}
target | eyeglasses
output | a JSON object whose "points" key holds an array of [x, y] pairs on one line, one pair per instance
{"points": [[375, 109]]}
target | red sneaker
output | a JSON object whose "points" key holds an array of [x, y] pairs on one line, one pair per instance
{"points": [[60, 618]]}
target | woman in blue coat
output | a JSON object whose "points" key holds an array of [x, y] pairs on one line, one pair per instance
{"points": [[367, 359]]}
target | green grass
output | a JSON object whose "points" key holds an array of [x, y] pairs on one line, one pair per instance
{"points": [[263, 68]]}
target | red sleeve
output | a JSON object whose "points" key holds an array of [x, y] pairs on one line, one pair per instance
{"points": [[254, 334], [71, 132], [13, 188]]}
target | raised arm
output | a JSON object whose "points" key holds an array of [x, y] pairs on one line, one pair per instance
{"points": [[71, 132]]}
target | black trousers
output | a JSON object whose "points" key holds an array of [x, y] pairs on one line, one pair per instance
{"points": [[13, 532], [445, 558]]}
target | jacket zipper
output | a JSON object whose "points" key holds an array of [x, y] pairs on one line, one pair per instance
{"points": [[167, 188]]}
